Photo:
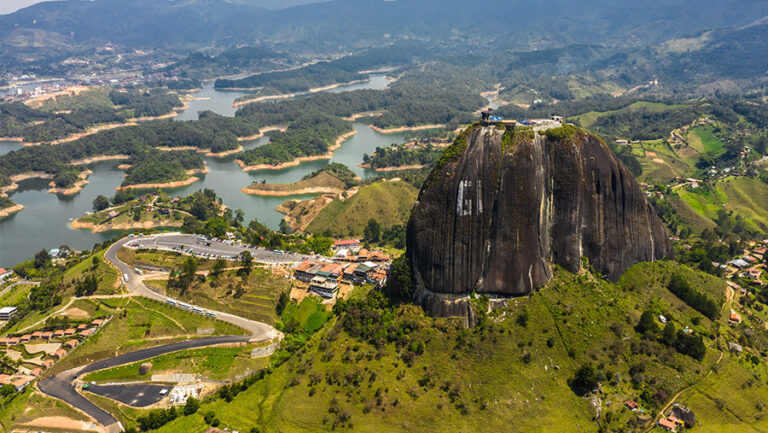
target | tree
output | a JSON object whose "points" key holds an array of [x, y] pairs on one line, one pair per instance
{"points": [[372, 231], [191, 406], [100, 203], [246, 263], [284, 227], [399, 286], [647, 323], [42, 259], [282, 302], [668, 334], [187, 275], [95, 261], [87, 286], [584, 381], [218, 267], [319, 245]]}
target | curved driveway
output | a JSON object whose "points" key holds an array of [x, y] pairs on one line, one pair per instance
{"points": [[261, 331], [60, 386]]}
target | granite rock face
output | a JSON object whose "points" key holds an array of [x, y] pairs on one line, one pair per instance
{"points": [[502, 205]]}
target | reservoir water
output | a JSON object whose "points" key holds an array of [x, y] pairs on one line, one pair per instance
{"points": [[44, 223]]}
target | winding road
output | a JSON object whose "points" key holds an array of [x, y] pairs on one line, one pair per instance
{"points": [[61, 385]]}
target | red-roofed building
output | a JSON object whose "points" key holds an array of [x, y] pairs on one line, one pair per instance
{"points": [[667, 424], [13, 341], [25, 338], [5, 379], [82, 326], [60, 353], [351, 244], [734, 318], [70, 331], [5, 274], [71, 343], [21, 382], [97, 322], [58, 333], [36, 372], [631, 404], [86, 333], [4, 340], [48, 363], [47, 334], [37, 334]]}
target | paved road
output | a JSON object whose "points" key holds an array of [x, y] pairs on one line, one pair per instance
{"points": [[260, 331], [60, 386], [188, 244]]}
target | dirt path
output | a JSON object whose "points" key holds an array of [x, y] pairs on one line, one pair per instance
{"points": [[59, 311], [674, 397], [62, 422]]}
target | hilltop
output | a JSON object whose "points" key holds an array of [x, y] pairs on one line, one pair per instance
{"points": [[331, 179], [404, 371], [503, 204]]}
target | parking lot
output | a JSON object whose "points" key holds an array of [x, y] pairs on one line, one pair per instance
{"points": [[213, 248], [135, 395]]}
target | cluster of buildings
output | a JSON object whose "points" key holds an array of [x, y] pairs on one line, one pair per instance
{"points": [[62, 340], [351, 265], [751, 266]]}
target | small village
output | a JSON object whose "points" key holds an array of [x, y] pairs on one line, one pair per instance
{"points": [[34, 352], [351, 265]]}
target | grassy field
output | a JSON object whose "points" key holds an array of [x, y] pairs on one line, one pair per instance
{"points": [[703, 139], [216, 363], [108, 275], [16, 295], [30, 404], [164, 259], [257, 300], [744, 196], [504, 374], [389, 203], [139, 323], [732, 400], [588, 119], [92, 98]]}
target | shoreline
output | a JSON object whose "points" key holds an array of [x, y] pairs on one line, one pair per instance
{"points": [[406, 128], [91, 160], [175, 184], [226, 153], [6, 212], [77, 187], [297, 161], [101, 228], [237, 104], [99, 128], [288, 193], [375, 113], [395, 168], [262, 132]]}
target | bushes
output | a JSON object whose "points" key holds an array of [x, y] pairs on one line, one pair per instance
{"points": [[584, 380], [698, 301]]}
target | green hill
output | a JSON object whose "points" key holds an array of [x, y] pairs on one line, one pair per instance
{"points": [[389, 203], [377, 368], [747, 197]]}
